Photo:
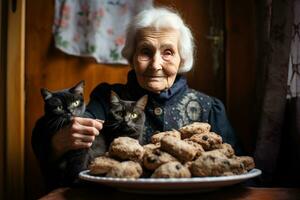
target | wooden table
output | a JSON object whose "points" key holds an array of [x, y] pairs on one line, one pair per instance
{"points": [[229, 193]]}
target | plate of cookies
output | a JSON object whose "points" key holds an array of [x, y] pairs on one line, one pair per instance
{"points": [[191, 159]]}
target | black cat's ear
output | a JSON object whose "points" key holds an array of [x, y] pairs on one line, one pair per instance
{"points": [[142, 102], [78, 88], [114, 98], [46, 94]]}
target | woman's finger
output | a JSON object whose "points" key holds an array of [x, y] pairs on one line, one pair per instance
{"points": [[87, 130], [89, 122], [83, 138]]}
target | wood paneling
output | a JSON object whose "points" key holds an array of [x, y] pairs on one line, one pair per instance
{"points": [[3, 29], [15, 98]]}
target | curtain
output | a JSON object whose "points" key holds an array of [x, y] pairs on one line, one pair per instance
{"points": [[95, 28], [277, 151]]}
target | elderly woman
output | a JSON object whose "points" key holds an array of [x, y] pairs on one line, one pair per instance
{"points": [[159, 47]]}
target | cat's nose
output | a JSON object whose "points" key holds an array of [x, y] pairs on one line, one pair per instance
{"points": [[126, 119]]}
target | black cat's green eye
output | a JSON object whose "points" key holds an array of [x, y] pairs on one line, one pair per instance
{"points": [[133, 115], [59, 108], [76, 103]]}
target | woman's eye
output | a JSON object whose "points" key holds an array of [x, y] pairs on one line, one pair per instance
{"points": [[133, 115], [76, 103], [144, 54], [59, 108], [167, 54]]}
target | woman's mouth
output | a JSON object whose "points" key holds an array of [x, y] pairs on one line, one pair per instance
{"points": [[154, 76]]}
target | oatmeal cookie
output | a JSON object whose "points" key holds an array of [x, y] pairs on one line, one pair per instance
{"points": [[171, 170], [210, 165], [228, 174], [208, 141], [198, 147], [150, 147], [215, 153], [178, 148], [126, 169], [194, 128], [101, 165], [126, 148], [155, 158], [247, 161], [226, 149], [188, 164], [156, 138]]}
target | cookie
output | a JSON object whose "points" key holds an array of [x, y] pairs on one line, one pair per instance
{"points": [[150, 147], [226, 149], [188, 164], [228, 174], [126, 169], [209, 165], [215, 153], [194, 128], [198, 147], [247, 161], [155, 158], [178, 148], [101, 165], [171, 170], [156, 138], [208, 141], [126, 148]]}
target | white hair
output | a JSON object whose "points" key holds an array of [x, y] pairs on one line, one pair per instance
{"points": [[161, 18]]}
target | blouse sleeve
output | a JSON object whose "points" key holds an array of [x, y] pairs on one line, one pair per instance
{"points": [[221, 125]]}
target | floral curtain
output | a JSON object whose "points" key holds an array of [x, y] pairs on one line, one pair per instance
{"points": [[278, 143], [94, 28]]}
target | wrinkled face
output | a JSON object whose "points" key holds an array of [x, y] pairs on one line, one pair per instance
{"points": [[156, 60]]}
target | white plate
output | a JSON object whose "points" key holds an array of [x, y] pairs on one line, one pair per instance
{"points": [[169, 185]]}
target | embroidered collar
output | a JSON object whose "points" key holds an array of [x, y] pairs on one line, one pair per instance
{"points": [[135, 90]]}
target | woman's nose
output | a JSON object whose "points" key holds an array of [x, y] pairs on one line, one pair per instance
{"points": [[157, 62]]}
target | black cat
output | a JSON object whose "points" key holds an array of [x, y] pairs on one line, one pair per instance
{"points": [[59, 106], [126, 118]]}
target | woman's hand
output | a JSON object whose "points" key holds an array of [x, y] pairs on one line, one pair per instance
{"points": [[78, 135]]}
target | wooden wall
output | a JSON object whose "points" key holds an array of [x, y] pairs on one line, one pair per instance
{"points": [[3, 29], [47, 67], [14, 148]]}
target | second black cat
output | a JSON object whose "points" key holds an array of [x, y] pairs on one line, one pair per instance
{"points": [[126, 118]]}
